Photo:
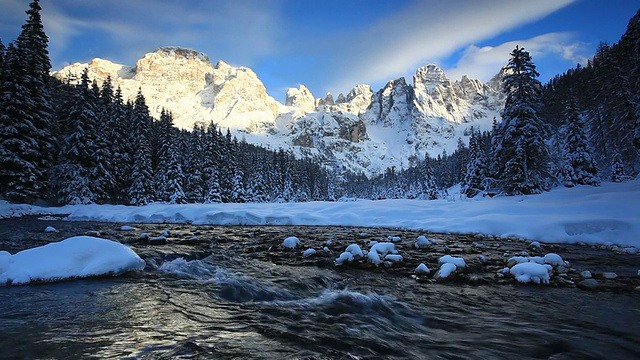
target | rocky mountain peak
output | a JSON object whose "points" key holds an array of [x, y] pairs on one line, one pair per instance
{"points": [[301, 98], [429, 76]]}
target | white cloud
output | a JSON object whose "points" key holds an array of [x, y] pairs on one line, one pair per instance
{"points": [[427, 32], [485, 62]]}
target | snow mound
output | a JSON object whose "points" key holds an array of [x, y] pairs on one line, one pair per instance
{"points": [[308, 252], [553, 259], [76, 257], [355, 250], [531, 272]]}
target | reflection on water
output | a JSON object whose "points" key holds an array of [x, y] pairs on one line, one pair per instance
{"points": [[215, 308]]}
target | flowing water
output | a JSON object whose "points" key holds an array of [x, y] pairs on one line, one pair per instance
{"points": [[217, 307], [223, 300]]}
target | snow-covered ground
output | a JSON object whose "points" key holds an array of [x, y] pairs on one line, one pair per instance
{"points": [[609, 213]]}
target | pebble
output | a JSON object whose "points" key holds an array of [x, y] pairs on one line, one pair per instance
{"points": [[93, 233], [586, 274], [609, 275], [158, 240], [589, 284]]}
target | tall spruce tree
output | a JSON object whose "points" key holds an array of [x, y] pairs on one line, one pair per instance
{"points": [[522, 156], [476, 170], [26, 144], [141, 191], [579, 167]]}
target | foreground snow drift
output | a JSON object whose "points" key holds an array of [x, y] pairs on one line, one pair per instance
{"points": [[608, 213], [76, 257]]}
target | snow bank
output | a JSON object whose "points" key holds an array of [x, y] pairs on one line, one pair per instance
{"points": [[608, 213], [76, 257]]}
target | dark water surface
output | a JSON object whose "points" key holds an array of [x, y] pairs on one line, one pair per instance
{"points": [[217, 307], [237, 295]]}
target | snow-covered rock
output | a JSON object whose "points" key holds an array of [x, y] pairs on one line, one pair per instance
{"points": [[531, 272], [379, 250], [308, 252], [446, 270], [345, 257], [422, 269], [458, 262], [355, 250], [422, 242], [553, 259], [127, 228], [50, 229], [291, 242], [76, 257]]}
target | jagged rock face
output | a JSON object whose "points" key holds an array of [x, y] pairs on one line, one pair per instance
{"points": [[394, 101], [364, 131], [184, 82], [301, 98]]}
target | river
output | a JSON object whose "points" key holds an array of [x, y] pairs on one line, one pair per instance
{"points": [[215, 303]]}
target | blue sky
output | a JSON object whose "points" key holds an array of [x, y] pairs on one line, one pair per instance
{"points": [[331, 45]]}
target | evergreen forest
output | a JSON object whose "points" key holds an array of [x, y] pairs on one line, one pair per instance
{"points": [[80, 142]]}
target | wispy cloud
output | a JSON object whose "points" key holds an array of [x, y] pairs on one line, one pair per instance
{"points": [[484, 62], [429, 31], [238, 30]]}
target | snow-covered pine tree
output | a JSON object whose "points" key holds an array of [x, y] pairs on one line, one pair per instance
{"points": [[20, 170], [140, 191], [162, 138], [476, 170], [238, 192], [122, 149], [522, 155], [617, 167], [100, 176], [211, 163], [173, 175], [429, 187], [194, 165], [579, 167], [77, 158]]}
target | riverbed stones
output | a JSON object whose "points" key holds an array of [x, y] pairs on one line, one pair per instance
{"points": [[586, 274], [589, 284], [609, 275]]}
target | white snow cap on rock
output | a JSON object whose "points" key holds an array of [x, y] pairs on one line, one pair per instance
{"points": [[446, 270], [291, 242], [76, 257], [422, 242], [309, 252], [458, 262], [531, 272], [380, 249], [422, 269], [344, 257]]}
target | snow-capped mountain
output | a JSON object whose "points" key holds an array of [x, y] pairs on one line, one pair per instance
{"points": [[365, 131]]}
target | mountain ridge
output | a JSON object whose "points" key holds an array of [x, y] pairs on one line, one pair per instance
{"points": [[365, 131]]}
